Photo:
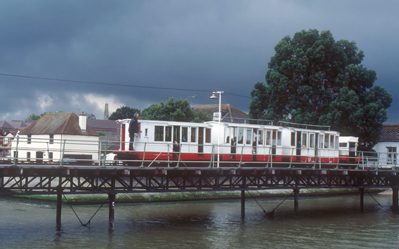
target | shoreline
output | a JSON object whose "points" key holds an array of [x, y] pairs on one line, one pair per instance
{"points": [[148, 197]]}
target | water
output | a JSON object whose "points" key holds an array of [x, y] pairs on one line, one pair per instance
{"points": [[323, 222]]}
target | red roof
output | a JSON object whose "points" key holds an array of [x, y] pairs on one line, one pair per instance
{"points": [[58, 123]]}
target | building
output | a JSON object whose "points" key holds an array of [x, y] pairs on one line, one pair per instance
{"points": [[230, 114], [55, 136], [386, 148]]}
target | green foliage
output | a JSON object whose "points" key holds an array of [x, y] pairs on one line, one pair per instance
{"points": [[123, 113], [179, 110], [315, 80], [101, 133], [91, 116], [36, 117]]}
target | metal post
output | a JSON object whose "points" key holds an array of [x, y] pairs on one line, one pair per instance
{"points": [[142, 163], [395, 199], [296, 203], [242, 204], [16, 153], [292, 153], [105, 152], [59, 206], [63, 151], [243, 197], [361, 199], [242, 151], [111, 198], [211, 162]]}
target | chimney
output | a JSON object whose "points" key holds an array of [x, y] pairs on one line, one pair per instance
{"points": [[82, 122], [106, 113]]}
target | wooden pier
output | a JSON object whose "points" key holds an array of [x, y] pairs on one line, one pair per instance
{"points": [[112, 180]]}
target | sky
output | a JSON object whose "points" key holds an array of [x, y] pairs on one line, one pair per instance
{"points": [[75, 56]]}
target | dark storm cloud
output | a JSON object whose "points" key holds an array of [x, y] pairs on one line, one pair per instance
{"points": [[204, 45]]}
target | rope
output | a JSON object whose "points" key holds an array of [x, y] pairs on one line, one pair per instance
{"points": [[374, 199], [74, 211], [256, 201], [88, 222], [271, 213]]}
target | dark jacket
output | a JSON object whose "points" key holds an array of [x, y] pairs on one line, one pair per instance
{"points": [[133, 126]]}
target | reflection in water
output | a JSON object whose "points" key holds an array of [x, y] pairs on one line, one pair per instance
{"points": [[324, 222]]}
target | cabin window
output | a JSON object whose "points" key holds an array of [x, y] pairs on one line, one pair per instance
{"points": [[240, 135], [51, 139], [268, 137], [260, 137], [176, 133], [321, 140], [336, 142], [249, 133], [193, 134], [207, 135], [255, 137], [312, 140], [327, 141], [279, 138], [29, 139], [184, 134], [304, 139], [343, 145], [50, 156], [146, 132], [292, 138], [168, 134], [332, 141], [28, 156], [158, 133]]}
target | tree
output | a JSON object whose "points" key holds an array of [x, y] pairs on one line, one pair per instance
{"points": [[179, 110], [123, 113], [315, 80], [34, 116], [91, 116]]}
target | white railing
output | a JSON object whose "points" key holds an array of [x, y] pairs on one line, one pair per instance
{"points": [[99, 152]]}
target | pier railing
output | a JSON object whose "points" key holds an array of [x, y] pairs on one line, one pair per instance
{"points": [[26, 150]]}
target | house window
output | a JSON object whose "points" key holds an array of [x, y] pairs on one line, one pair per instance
{"points": [[28, 156], [51, 139], [391, 155], [50, 156], [29, 139]]}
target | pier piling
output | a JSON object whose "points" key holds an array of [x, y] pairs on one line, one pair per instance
{"points": [[296, 203], [111, 198], [59, 206], [395, 199], [242, 204], [361, 198]]}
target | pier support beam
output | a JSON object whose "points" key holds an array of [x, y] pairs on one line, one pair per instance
{"points": [[111, 198], [59, 206], [242, 204], [395, 199], [296, 203], [361, 198]]}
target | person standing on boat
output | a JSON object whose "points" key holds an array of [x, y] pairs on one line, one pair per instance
{"points": [[133, 129]]}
